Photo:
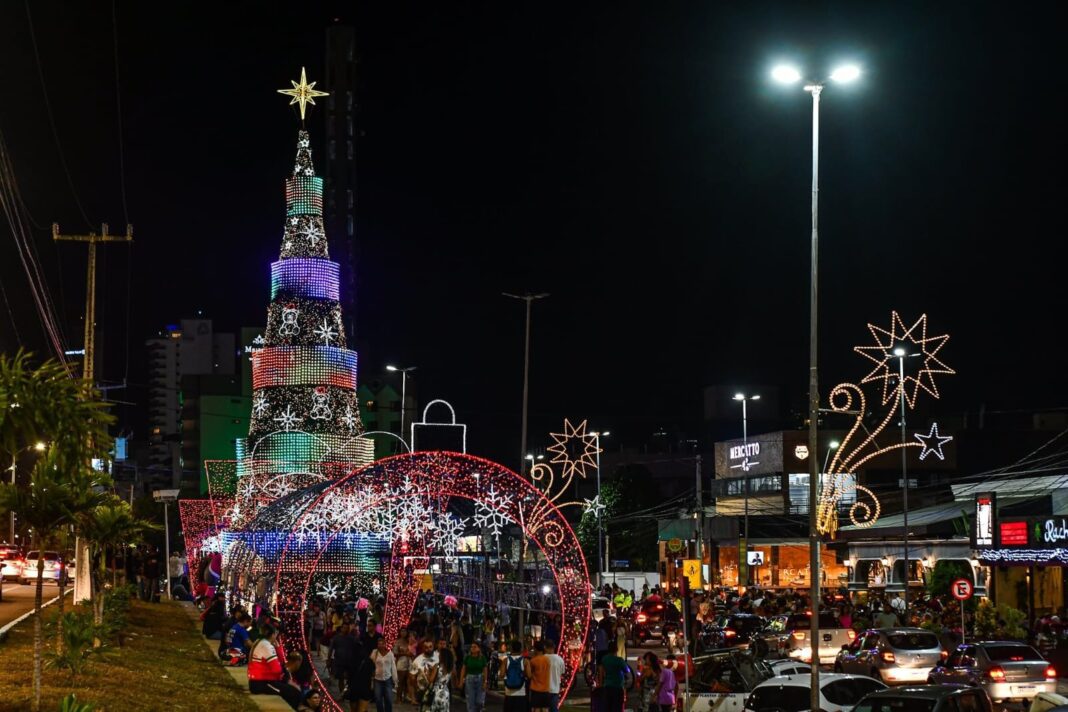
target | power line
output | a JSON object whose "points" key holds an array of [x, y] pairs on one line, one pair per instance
{"points": [[51, 118]]}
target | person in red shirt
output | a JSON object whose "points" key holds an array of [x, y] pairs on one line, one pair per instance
{"points": [[266, 676]]}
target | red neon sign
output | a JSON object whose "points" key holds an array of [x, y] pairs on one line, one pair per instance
{"points": [[1013, 533]]}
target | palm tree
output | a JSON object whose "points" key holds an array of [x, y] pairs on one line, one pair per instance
{"points": [[45, 504], [108, 526], [45, 403]]}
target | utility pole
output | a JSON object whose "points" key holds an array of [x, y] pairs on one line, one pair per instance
{"points": [[529, 299], [82, 585], [700, 515]]}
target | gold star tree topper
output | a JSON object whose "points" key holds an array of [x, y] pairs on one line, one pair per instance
{"points": [[912, 338], [575, 449], [302, 93]]}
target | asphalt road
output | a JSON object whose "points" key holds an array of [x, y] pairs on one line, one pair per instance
{"points": [[19, 599]]}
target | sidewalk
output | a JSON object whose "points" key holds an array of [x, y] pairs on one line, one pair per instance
{"points": [[264, 702]]}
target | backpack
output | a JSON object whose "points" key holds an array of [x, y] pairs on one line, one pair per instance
{"points": [[514, 678]]}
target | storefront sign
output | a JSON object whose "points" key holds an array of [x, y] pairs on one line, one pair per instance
{"points": [[1013, 533], [983, 527], [1052, 531], [759, 455], [801, 452]]}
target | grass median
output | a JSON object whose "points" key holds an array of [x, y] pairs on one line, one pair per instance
{"points": [[163, 665]]}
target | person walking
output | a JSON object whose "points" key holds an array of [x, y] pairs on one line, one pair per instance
{"points": [[423, 671], [610, 672], [666, 687], [473, 679], [539, 679], [440, 696], [516, 674], [402, 653], [385, 676], [556, 674], [359, 685]]}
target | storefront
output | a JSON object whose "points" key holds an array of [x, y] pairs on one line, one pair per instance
{"points": [[1028, 555], [877, 568], [780, 564]]}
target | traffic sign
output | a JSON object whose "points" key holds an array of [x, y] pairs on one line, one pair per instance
{"points": [[961, 589]]}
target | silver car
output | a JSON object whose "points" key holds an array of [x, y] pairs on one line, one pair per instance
{"points": [[54, 569], [893, 655], [1008, 671]]}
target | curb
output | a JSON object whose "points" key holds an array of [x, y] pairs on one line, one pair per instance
{"points": [[27, 614]]}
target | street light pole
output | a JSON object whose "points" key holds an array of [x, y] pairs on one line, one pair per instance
{"points": [[790, 75], [404, 394], [39, 447], [745, 475], [600, 527], [901, 354]]}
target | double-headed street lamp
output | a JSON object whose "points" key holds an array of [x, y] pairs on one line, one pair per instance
{"points": [[743, 398], [901, 354], [38, 446], [404, 393], [786, 74]]}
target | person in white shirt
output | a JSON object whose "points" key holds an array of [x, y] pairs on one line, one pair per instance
{"points": [[556, 674], [422, 666], [385, 676]]}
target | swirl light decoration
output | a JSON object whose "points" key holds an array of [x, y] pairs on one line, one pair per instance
{"points": [[861, 444]]}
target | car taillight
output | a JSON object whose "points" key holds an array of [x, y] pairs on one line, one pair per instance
{"points": [[641, 618], [944, 654], [1051, 672], [888, 657], [799, 635], [852, 634], [728, 633], [995, 673]]}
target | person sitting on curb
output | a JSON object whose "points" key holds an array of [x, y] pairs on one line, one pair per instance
{"points": [[266, 676]]}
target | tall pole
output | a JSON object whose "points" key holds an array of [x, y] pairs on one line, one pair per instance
{"points": [[745, 483], [529, 299], [14, 459], [700, 521], [82, 579], [814, 413], [167, 549], [905, 486], [404, 401], [600, 528]]}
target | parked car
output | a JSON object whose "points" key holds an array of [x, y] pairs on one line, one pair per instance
{"points": [[1008, 671], [786, 666], [734, 630], [926, 698], [788, 637], [893, 655], [10, 562], [654, 619], [723, 681], [53, 567], [791, 693]]}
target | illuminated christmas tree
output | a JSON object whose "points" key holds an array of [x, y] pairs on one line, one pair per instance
{"points": [[304, 405]]}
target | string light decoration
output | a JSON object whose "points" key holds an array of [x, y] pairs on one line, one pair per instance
{"points": [[574, 449], [304, 365], [303, 93], [937, 440], [861, 443], [312, 314], [306, 276]]}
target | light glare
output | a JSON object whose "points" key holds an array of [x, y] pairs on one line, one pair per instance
{"points": [[785, 74], [846, 73]]}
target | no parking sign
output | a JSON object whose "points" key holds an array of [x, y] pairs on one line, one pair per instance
{"points": [[961, 589]]}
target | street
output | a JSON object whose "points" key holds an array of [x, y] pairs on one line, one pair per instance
{"points": [[19, 599]]}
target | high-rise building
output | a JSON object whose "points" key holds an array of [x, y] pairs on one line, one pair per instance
{"points": [[179, 353], [341, 134]]}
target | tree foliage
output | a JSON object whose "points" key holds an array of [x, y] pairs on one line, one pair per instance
{"points": [[628, 492]]}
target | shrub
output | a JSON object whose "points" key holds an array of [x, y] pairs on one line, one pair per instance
{"points": [[70, 703], [78, 634]]}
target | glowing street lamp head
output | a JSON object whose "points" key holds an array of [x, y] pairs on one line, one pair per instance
{"points": [[833, 444], [756, 397], [39, 446], [846, 73], [392, 368], [786, 74], [739, 396], [899, 352]]}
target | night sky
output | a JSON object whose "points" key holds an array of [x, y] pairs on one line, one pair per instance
{"points": [[634, 160]]}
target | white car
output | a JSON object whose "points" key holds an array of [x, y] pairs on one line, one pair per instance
{"points": [[789, 667], [10, 562], [54, 570], [790, 693], [600, 607]]}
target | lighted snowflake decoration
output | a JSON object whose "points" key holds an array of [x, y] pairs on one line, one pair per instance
{"points": [[326, 332], [288, 419], [574, 449], [914, 340], [411, 518], [260, 405], [593, 506], [349, 419], [330, 589], [488, 514], [313, 232], [446, 534]]}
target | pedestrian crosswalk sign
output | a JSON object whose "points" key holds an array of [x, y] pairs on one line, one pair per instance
{"points": [[691, 569]]}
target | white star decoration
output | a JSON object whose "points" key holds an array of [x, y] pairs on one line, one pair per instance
{"points": [[574, 449], [594, 506], [933, 437], [326, 332], [914, 339], [288, 419]]}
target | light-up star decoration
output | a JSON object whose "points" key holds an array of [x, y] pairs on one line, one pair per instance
{"points": [[593, 506], [932, 443], [914, 340], [575, 450], [302, 93]]}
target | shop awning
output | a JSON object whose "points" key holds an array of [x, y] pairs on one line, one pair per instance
{"points": [[1019, 488], [669, 529]]}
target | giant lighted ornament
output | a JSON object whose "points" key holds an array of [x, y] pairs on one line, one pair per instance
{"points": [[861, 443], [302, 512]]}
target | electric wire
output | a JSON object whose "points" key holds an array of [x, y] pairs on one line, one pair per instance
{"points": [[52, 120]]}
